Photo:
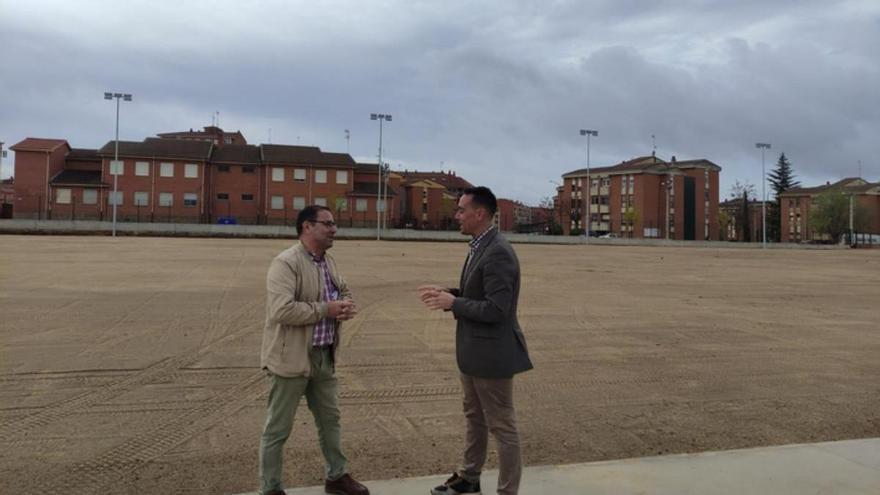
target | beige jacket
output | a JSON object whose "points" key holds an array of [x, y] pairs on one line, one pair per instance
{"points": [[293, 306]]}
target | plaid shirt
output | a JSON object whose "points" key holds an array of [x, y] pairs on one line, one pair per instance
{"points": [[325, 329], [474, 244]]}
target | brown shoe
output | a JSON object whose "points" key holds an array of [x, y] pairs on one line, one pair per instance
{"points": [[346, 485], [276, 492]]}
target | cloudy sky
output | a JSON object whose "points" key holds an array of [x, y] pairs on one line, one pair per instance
{"points": [[494, 90]]}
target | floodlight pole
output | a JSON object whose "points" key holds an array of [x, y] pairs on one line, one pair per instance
{"points": [[587, 202], [763, 147], [380, 117], [126, 97]]}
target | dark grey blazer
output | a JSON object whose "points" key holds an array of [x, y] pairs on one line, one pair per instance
{"points": [[488, 340]]}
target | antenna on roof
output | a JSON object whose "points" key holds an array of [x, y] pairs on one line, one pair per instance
{"points": [[653, 146], [218, 118], [860, 169]]}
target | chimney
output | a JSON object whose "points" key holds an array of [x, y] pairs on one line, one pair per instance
{"points": [[673, 159]]}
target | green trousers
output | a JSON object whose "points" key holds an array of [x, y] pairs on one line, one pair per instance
{"points": [[320, 390]]}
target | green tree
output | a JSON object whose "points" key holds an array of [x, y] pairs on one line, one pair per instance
{"points": [[781, 179], [830, 215], [630, 218]]}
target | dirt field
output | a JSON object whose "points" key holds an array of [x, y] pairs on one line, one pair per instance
{"points": [[130, 365]]}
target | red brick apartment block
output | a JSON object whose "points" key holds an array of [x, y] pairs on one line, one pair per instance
{"points": [[645, 197], [190, 178], [795, 206]]}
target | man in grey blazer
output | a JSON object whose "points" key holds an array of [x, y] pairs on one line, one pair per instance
{"points": [[489, 345]]}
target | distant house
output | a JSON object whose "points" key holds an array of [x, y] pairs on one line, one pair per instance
{"points": [[795, 206]]}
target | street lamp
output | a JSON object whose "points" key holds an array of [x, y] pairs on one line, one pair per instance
{"points": [[126, 97], [587, 209], [763, 147], [381, 117]]}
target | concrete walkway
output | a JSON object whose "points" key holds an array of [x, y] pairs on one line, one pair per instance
{"points": [[833, 468]]}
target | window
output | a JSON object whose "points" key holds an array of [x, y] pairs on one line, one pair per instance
{"points": [[248, 169], [321, 201], [227, 140], [141, 169], [62, 196], [277, 202], [342, 176], [223, 196], [380, 204], [166, 199], [341, 204], [360, 204], [166, 170], [118, 198], [90, 196], [141, 198], [320, 176], [223, 168], [191, 171], [190, 199], [299, 202], [247, 197], [117, 167], [277, 174], [299, 174]]}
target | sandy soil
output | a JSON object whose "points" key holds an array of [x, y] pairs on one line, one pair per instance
{"points": [[131, 365]]}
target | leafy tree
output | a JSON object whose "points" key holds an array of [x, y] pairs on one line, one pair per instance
{"points": [[830, 212], [781, 179], [630, 218]]}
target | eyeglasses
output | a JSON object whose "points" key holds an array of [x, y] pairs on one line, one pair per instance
{"points": [[327, 223]]}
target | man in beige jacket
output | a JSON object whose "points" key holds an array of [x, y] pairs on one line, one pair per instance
{"points": [[307, 299]]}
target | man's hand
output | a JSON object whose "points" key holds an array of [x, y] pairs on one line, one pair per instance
{"points": [[341, 310], [436, 297]]}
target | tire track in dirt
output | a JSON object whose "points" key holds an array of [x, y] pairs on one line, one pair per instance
{"points": [[97, 474], [165, 369]]}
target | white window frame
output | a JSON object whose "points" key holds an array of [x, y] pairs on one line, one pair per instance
{"points": [[320, 176], [277, 174], [63, 195], [342, 176], [380, 205], [117, 167], [117, 196], [191, 171], [299, 175], [166, 199], [360, 204], [90, 196], [141, 198], [166, 169], [321, 201], [277, 202], [142, 169], [299, 202]]}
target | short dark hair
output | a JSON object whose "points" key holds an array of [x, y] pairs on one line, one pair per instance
{"points": [[308, 214], [482, 197]]}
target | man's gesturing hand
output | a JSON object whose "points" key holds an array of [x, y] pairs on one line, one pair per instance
{"points": [[341, 310], [436, 297]]}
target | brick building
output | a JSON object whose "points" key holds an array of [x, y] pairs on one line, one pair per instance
{"points": [[734, 228], [192, 181], [795, 206], [211, 134], [512, 214], [645, 197]]}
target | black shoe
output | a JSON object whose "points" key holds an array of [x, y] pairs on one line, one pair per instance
{"points": [[456, 485]]}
